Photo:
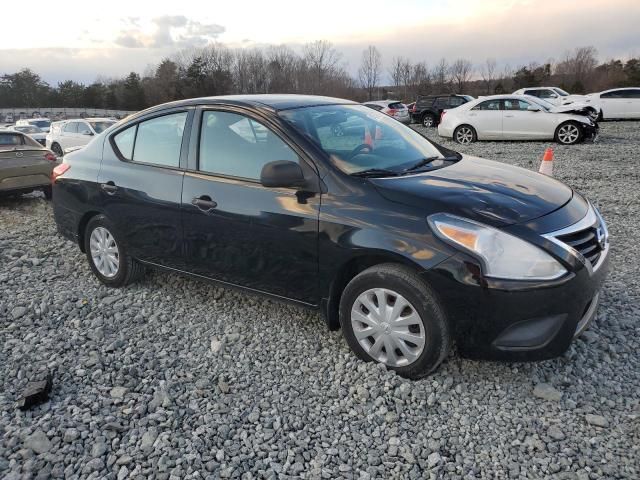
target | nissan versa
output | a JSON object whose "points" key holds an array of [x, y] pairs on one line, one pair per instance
{"points": [[405, 245]]}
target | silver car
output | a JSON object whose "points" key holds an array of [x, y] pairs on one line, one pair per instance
{"points": [[393, 108]]}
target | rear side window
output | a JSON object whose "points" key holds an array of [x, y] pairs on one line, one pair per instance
{"points": [[124, 141], [533, 93], [157, 141], [457, 101], [237, 146], [396, 106], [442, 102], [488, 105]]}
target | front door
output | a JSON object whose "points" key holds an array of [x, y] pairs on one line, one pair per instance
{"points": [[519, 122], [236, 230]]}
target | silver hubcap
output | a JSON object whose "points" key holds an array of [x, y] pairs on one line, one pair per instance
{"points": [[388, 327], [568, 134], [427, 122], [464, 135], [104, 251]]}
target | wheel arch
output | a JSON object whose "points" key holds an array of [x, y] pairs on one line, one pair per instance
{"points": [[82, 227], [330, 303]]}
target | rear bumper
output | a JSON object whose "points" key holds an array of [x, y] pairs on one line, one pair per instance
{"points": [[24, 182], [445, 130], [67, 221], [515, 321]]}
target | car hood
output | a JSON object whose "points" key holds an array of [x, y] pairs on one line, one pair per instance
{"points": [[578, 108], [490, 192]]}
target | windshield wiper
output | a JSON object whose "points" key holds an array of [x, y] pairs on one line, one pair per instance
{"points": [[375, 172], [426, 161]]}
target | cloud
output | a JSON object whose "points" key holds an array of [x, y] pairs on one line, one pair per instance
{"points": [[168, 31]]}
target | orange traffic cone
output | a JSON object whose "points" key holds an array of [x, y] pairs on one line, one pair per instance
{"points": [[546, 167]]}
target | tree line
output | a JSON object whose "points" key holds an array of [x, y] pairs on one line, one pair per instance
{"points": [[316, 69]]}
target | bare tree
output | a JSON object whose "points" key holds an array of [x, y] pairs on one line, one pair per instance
{"points": [[576, 67], [420, 78], [321, 60], [460, 72], [440, 79], [370, 70], [488, 74]]}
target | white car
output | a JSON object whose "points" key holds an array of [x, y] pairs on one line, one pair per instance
{"points": [[515, 117], [393, 108], [618, 103], [34, 132], [42, 123], [75, 133]]}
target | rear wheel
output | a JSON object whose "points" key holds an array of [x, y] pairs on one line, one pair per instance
{"points": [[57, 149], [107, 255], [568, 133], [464, 135], [428, 121], [390, 316]]}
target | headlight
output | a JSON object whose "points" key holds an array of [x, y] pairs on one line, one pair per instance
{"points": [[502, 254]]}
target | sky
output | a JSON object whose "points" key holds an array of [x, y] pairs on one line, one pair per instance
{"points": [[90, 40]]}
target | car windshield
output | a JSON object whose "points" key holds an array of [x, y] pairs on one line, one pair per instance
{"points": [[101, 126], [29, 129], [40, 123], [561, 92], [543, 103], [359, 139]]}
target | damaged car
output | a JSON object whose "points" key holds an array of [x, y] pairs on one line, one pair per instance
{"points": [[518, 117]]}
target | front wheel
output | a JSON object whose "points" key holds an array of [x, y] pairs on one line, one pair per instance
{"points": [[568, 133], [390, 316], [107, 255], [464, 135]]}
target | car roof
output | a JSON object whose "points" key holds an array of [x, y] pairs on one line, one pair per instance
{"points": [[621, 88], [33, 119]]}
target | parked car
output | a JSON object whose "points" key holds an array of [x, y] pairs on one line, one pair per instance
{"points": [[393, 108], [515, 117], [43, 124], [428, 108], [618, 103], [25, 165], [558, 97], [34, 132], [406, 245], [75, 133]]}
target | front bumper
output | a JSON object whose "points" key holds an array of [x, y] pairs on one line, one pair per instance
{"points": [[590, 132], [527, 320]]}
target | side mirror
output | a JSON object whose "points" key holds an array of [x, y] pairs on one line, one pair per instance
{"points": [[282, 173], [533, 108]]}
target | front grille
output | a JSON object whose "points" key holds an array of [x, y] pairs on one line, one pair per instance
{"points": [[586, 242]]}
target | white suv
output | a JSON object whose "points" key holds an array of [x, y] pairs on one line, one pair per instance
{"points": [[75, 133]]}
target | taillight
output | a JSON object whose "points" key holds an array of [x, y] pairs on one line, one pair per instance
{"points": [[59, 170], [391, 111], [50, 156], [442, 116]]}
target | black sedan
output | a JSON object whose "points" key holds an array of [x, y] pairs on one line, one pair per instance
{"points": [[405, 245]]}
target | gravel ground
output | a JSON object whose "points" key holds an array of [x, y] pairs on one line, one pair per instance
{"points": [[175, 378]]}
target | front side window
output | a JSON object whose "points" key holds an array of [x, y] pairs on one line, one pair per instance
{"points": [[488, 105], [238, 146], [614, 94], [156, 141], [357, 138], [100, 126], [561, 92]]}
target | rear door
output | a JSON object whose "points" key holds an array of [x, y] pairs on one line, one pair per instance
{"points": [[140, 185], [613, 104], [486, 118], [236, 230], [632, 108], [520, 123], [68, 134]]}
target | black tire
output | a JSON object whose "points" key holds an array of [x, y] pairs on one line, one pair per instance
{"points": [[57, 149], [428, 120], [48, 192], [407, 283], [563, 137], [460, 134], [129, 269]]}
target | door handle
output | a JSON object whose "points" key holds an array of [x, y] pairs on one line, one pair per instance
{"points": [[110, 188], [509, 116], [204, 203]]}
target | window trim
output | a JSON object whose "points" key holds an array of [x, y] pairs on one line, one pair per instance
{"points": [[194, 150], [186, 135], [500, 104]]}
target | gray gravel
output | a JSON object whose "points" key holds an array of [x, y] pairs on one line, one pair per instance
{"points": [[175, 378]]}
